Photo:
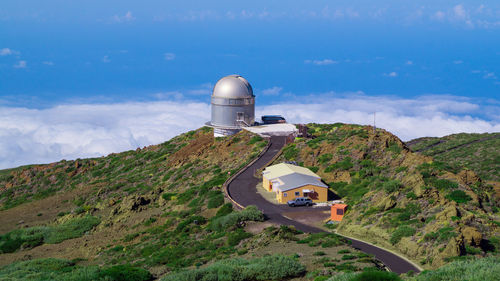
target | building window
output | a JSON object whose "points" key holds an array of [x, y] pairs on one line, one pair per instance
{"points": [[297, 193], [340, 212], [284, 194]]}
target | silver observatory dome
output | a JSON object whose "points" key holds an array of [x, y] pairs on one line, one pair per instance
{"points": [[232, 87], [233, 105]]}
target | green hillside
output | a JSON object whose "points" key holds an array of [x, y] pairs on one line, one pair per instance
{"points": [[477, 152], [160, 213], [398, 199], [153, 213]]}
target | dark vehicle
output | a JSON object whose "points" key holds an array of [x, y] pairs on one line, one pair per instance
{"points": [[273, 119], [300, 201]]}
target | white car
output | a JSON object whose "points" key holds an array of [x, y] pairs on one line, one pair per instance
{"points": [[300, 201]]}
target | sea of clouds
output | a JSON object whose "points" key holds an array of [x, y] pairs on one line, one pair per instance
{"points": [[71, 131]]}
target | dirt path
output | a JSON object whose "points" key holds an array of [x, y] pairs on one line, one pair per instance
{"points": [[242, 189]]}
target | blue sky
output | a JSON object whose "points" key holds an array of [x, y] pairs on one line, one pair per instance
{"points": [[442, 57]]}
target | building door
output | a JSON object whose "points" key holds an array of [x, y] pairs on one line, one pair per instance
{"points": [[240, 116]]}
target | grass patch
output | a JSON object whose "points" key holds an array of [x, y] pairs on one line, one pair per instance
{"points": [[64, 270], [458, 196], [471, 270], [31, 237], [276, 267], [400, 232]]}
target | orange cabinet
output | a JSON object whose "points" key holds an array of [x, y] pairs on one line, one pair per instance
{"points": [[338, 211]]}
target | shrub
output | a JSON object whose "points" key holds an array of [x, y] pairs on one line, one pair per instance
{"points": [[443, 184], [325, 158], [291, 152], [343, 165], [401, 169], [471, 270], [234, 237], [400, 232], [458, 196], [314, 169], [276, 267], [71, 229], [250, 213], [224, 210], [216, 201], [319, 253], [391, 186], [186, 196], [35, 236], [411, 195], [446, 233], [376, 275], [168, 196], [394, 148], [125, 272], [48, 269], [255, 139], [431, 236], [348, 257]]}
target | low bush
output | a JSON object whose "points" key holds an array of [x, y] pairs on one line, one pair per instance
{"points": [[394, 148], [471, 270], [125, 272], [215, 201], [400, 232], [348, 257], [250, 213], [64, 270], [224, 210], [276, 267], [291, 152], [367, 275], [255, 139], [442, 184], [313, 169], [446, 233], [325, 158], [458, 196], [234, 237], [71, 229], [411, 195], [343, 165], [34, 236], [168, 196], [391, 186]]}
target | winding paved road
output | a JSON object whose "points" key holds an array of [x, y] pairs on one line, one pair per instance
{"points": [[242, 189]]}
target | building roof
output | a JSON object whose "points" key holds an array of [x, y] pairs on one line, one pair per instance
{"points": [[283, 169], [339, 206], [280, 129], [233, 87], [296, 180]]}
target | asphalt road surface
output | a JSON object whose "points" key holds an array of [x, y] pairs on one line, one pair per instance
{"points": [[243, 190]]}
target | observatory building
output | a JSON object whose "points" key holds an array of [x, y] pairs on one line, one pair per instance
{"points": [[233, 106]]}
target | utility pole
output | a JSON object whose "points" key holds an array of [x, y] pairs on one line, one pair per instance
{"points": [[374, 126]]}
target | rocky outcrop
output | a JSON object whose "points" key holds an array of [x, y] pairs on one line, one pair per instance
{"points": [[472, 236]]}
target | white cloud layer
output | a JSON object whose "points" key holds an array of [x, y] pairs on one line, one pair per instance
{"points": [[169, 56], [128, 17], [89, 130], [20, 64], [8, 52], [321, 62]]}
